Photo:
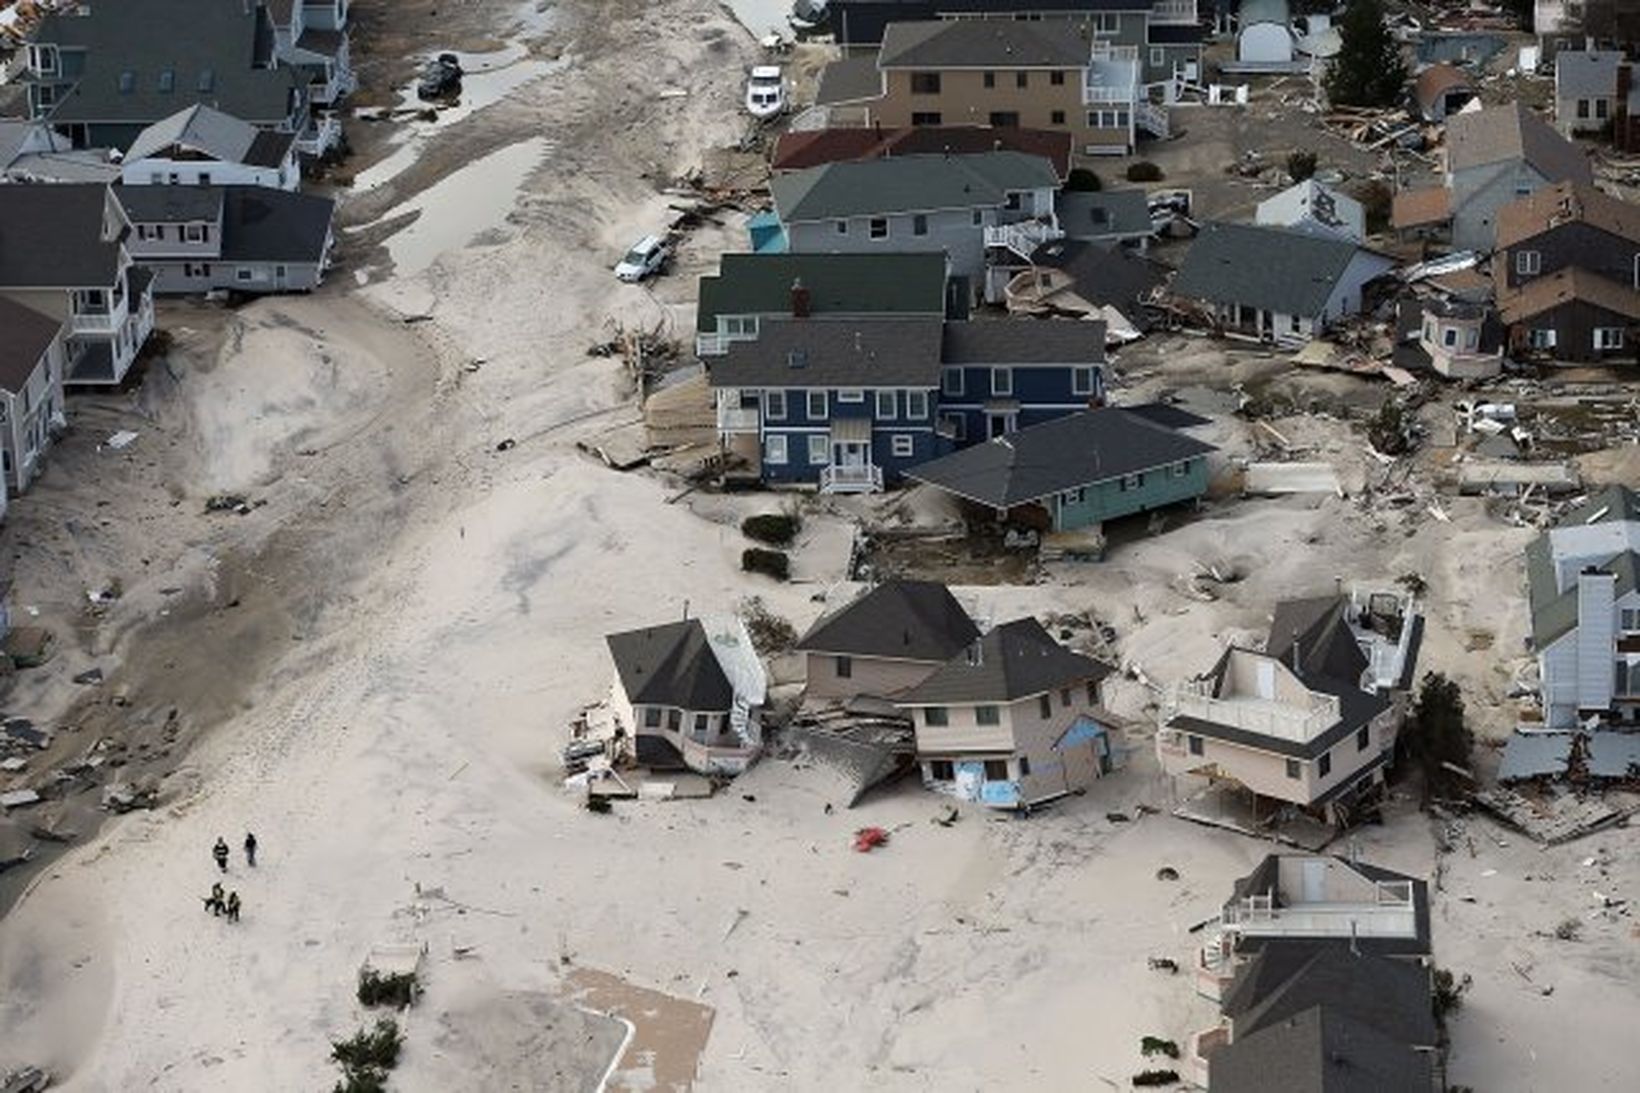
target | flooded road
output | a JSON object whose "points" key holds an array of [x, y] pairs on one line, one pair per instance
{"points": [[451, 217]]}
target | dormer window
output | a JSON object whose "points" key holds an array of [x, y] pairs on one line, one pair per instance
{"points": [[167, 81], [128, 82]]}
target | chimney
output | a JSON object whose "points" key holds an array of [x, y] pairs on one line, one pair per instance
{"points": [[800, 299]]}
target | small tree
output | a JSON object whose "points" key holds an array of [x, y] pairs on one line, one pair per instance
{"points": [[1388, 430], [1368, 70], [1144, 171], [1438, 735], [1082, 180], [1301, 165]]}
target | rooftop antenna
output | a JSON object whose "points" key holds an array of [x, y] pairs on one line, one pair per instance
{"points": [[685, 610]]}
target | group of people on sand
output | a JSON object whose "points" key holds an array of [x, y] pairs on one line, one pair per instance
{"points": [[217, 903]]}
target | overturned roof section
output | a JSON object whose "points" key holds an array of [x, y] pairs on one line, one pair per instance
{"points": [[897, 620], [1501, 133], [985, 43], [1016, 660], [1535, 755], [1437, 80], [907, 184], [837, 284], [670, 665]]}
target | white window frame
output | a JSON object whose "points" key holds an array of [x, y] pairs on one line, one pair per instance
{"points": [[873, 224], [1181, 468], [1158, 56], [738, 326], [774, 450], [1002, 381], [819, 449], [1542, 337], [902, 445], [1074, 497], [1528, 263], [952, 390], [1629, 619], [193, 233], [893, 405], [1130, 482], [851, 394], [771, 399], [1449, 337], [958, 423], [1608, 337], [1082, 380], [817, 405], [919, 224], [916, 405]]}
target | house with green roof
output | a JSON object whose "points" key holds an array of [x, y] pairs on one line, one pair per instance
{"points": [[1583, 582]]}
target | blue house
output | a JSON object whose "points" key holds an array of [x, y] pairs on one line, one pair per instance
{"points": [[1000, 377]]}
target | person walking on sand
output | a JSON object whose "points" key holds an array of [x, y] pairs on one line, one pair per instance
{"points": [[213, 902], [220, 853], [233, 906], [250, 849]]}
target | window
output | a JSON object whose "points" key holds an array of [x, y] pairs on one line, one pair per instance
{"points": [[1541, 338], [774, 450], [1107, 23], [1131, 482], [878, 228], [1064, 696], [819, 449], [1081, 381], [652, 717], [1292, 768], [1074, 497], [1449, 337], [1057, 118], [1004, 119], [919, 224], [925, 83], [936, 717], [951, 381], [1528, 262], [1021, 79], [817, 405], [1002, 381], [1363, 738], [1158, 55], [674, 720], [242, 274], [1024, 766], [167, 81], [954, 425], [1056, 78], [702, 722], [842, 227], [196, 233], [1631, 620], [1181, 468], [990, 79], [845, 667], [942, 770], [738, 326], [903, 445], [996, 770], [979, 217], [1107, 119], [1093, 693], [851, 394], [986, 715], [916, 405], [1600, 109], [774, 405], [1583, 108], [1324, 766], [1015, 201], [1608, 337], [1044, 706], [204, 178], [1620, 670], [1194, 743], [885, 404], [926, 117]]}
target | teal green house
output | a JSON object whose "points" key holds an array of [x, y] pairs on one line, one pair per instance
{"points": [[1080, 470]]}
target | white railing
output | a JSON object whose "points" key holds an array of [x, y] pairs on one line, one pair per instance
{"points": [[1174, 11], [1151, 118], [736, 419], [1092, 94], [1317, 920], [838, 479], [1022, 238], [320, 138], [720, 757], [98, 323], [1252, 715], [711, 345]]}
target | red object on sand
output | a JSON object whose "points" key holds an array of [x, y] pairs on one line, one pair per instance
{"points": [[868, 839]]}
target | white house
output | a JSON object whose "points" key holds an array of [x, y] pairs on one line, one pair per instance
{"points": [[1311, 207], [31, 390], [200, 146]]}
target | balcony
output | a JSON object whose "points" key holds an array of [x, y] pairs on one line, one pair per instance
{"points": [[98, 321], [839, 479], [722, 755], [321, 135], [1258, 715], [1024, 237], [737, 419], [712, 345], [1174, 12], [1104, 93]]}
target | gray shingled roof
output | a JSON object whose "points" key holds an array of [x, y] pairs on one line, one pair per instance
{"points": [[670, 665], [1025, 342], [1275, 269], [1102, 214], [1586, 73], [902, 620], [985, 43], [1321, 1050], [25, 335], [1535, 755], [51, 236], [222, 136], [833, 353], [907, 184], [170, 204], [1390, 995], [1325, 647], [1016, 660], [1554, 613], [1501, 133], [266, 225], [849, 80], [761, 284], [1068, 452]]}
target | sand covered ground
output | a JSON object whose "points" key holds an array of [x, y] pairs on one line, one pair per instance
{"points": [[374, 670]]}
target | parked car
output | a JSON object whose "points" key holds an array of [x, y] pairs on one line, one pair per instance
{"points": [[645, 259], [440, 78], [809, 16], [765, 92]]}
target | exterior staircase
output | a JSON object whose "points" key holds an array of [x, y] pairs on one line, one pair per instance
{"points": [[1151, 118]]}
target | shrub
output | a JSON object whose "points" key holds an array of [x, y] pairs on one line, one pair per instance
{"points": [[376, 1047], [1388, 429], [1570, 929], [1449, 991], [777, 528], [362, 1081], [1301, 165], [1083, 180], [770, 633], [398, 989], [1153, 1045], [1156, 1077], [1144, 171], [770, 563]]}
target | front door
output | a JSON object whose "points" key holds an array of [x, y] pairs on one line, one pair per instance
{"points": [[1315, 879], [850, 453], [998, 425]]}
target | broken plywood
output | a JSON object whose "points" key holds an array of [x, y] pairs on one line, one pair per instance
{"points": [[1271, 479]]}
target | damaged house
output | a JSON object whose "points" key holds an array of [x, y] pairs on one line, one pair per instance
{"points": [[885, 641]]}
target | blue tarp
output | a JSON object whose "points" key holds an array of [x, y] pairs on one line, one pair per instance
{"points": [[766, 234]]}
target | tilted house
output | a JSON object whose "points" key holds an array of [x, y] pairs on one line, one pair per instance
{"points": [[199, 146], [1567, 273], [1012, 721], [1495, 156], [1276, 284], [955, 205], [1311, 207], [1076, 280], [243, 238], [885, 641], [1076, 471], [1583, 584], [1462, 339], [1309, 721], [689, 694], [31, 390], [63, 252]]}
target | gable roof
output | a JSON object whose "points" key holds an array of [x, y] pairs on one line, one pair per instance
{"points": [[52, 236], [25, 336], [1312, 637], [833, 353], [1392, 996], [1024, 342], [905, 184], [1419, 207], [1356, 708], [899, 620], [261, 224], [1586, 73], [1015, 660], [1309, 201], [1071, 451], [1275, 269], [670, 665], [796, 150], [1564, 203], [849, 80], [985, 43], [223, 136], [1563, 286], [1500, 133], [1437, 80], [761, 284], [1321, 1050]]}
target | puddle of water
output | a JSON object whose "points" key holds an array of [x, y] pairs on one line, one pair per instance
{"points": [[450, 217]]}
